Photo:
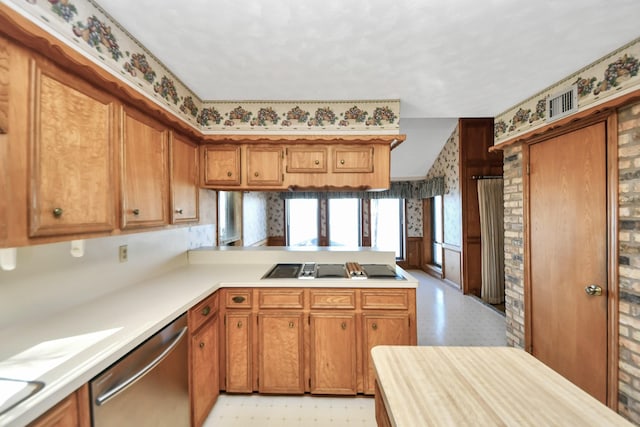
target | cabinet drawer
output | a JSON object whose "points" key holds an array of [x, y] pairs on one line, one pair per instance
{"points": [[281, 298], [353, 159], [306, 159], [238, 298], [385, 299], [203, 311], [333, 299]]}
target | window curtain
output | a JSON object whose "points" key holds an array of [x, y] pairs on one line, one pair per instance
{"points": [[490, 198], [398, 190]]}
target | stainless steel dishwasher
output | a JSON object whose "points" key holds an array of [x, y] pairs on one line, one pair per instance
{"points": [[149, 386]]}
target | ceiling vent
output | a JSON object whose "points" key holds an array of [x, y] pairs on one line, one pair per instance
{"points": [[562, 104]]}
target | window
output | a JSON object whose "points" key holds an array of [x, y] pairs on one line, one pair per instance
{"points": [[302, 222], [437, 232], [387, 225], [344, 222]]}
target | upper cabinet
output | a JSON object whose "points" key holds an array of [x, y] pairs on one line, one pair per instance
{"points": [[73, 130], [220, 165], [145, 180], [264, 166], [184, 180], [353, 159]]}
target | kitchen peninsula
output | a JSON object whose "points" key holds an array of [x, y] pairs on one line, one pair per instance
{"points": [[66, 349]]}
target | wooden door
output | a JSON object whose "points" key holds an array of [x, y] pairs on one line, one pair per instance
{"points": [[353, 159], [238, 357], [204, 371], [221, 165], [184, 180], [568, 238], [72, 140], [280, 353], [264, 166], [333, 353], [145, 181], [381, 329]]}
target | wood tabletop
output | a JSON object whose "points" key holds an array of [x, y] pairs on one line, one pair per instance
{"points": [[480, 386]]}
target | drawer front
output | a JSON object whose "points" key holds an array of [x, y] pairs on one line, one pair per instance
{"points": [[238, 298], [281, 298], [333, 299], [353, 160], [203, 311], [385, 299], [306, 159]]}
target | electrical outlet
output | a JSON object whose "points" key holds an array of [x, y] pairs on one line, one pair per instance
{"points": [[123, 253]]}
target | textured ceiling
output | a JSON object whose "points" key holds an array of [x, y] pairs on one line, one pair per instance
{"points": [[442, 59]]}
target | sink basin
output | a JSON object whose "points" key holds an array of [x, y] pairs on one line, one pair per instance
{"points": [[14, 392]]}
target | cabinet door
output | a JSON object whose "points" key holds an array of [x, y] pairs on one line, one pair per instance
{"points": [[221, 165], [381, 329], [145, 183], [204, 371], [281, 361], [353, 159], [238, 352], [72, 411], [72, 141], [307, 159], [184, 180], [333, 353], [264, 166]]}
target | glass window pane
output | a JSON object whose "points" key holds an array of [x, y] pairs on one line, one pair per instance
{"points": [[344, 222], [436, 217], [387, 225], [302, 222]]}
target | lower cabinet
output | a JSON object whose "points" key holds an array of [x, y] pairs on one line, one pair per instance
{"points": [[333, 355], [203, 348], [280, 353], [73, 411], [239, 352]]}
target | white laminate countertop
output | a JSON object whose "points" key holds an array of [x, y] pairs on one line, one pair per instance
{"points": [[480, 386], [67, 349]]}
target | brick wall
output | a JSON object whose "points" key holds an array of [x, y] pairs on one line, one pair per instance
{"points": [[513, 248], [629, 261]]}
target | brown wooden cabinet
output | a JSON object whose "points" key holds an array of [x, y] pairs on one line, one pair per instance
{"points": [[204, 383], [73, 411], [238, 340], [145, 183], [72, 158], [307, 159], [352, 159], [184, 180], [220, 165], [264, 166]]}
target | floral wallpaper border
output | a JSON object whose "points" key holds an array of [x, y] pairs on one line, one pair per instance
{"points": [[613, 75], [84, 24]]}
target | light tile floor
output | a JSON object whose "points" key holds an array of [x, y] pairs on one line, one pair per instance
{"points": [[445, 317]]}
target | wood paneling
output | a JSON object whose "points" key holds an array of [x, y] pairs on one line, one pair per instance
{"points": [[276, 241], [452, 265]]}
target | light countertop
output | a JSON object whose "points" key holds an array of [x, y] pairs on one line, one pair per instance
{"points": [[67, 349], [480, 386]]}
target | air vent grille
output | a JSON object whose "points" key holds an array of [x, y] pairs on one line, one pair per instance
{"points": [[562, 104]]}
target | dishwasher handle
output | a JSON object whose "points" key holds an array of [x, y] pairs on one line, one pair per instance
{"points": [[113, 392]]}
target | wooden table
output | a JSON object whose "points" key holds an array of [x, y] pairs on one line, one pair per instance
{"points": [[478, 386]]}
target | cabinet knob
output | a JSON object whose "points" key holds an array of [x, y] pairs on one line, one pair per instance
{"points": [[57, 212], [206, 311], [317, 162], [238, 299], [342, 162], [201, 345], [374, 326], [256, 174], [229, 174], [344, 326], [239, 325], [291, 324], [179, 211], [136, 212]]}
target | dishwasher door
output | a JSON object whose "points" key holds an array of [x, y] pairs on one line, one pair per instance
{"points": [[149, 386]]}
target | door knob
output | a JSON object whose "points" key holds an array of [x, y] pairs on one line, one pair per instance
{"points": [[593, 290]]}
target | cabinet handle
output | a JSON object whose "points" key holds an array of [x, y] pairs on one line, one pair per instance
{"points": [[57, 212], [239, 324], [344, 326], [206, 311], [179, 211], [374, 326], [136, 212], [317, 162], [229, 174], [256, 174], [238, 299], [342, 162], [201, 345], [291, 324]]}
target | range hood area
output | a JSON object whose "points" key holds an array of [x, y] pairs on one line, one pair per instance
{"points": [[348, 270]]}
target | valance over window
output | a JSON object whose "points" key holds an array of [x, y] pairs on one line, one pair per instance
{"points": [[423, 189]]}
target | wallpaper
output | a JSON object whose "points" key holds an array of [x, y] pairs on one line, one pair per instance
{"points": [[254, 212], [88, 28], [447, 164], [413, 208], [614, 75], [275, 214]]}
